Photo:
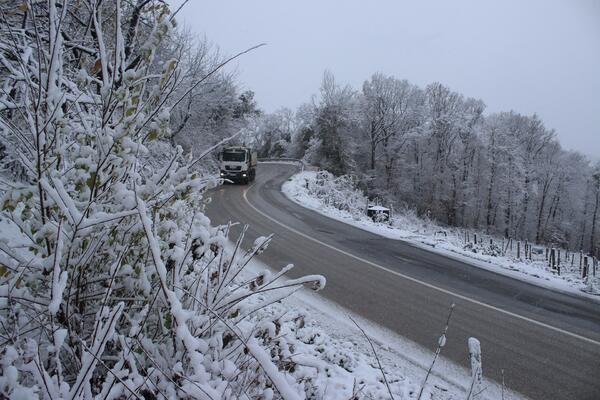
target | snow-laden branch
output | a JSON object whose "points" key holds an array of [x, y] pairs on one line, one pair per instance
{"points": [[278, 379], [103, 218], [89, 359], [193, 345], [214, 147], [59, 278]]}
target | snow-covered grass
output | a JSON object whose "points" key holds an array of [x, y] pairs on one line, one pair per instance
{"points": [[338, 200]]}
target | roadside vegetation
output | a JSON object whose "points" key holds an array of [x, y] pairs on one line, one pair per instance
{"points": [[340, 198], [113, 283], [437, 152]]}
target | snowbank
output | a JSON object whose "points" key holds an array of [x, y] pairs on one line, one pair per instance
{"points": [[301, 188]]}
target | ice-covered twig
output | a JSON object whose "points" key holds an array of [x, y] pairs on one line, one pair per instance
{"points": [[18, 257], [102, 218], [441, 344], [387, 385], [214, 147], [318, 282], [59, 279]]}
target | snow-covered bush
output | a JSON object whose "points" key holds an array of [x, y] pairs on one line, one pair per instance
{"points": [[488, 249], [113, 284], [339, 192]]}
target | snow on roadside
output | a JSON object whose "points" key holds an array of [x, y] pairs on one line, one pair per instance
{"points": [[337, 360], [426, 235], [331, 360]]}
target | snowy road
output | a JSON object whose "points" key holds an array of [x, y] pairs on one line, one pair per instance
{"points": [[548, 344]]}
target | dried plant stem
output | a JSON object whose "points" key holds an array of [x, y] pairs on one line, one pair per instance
{"points": [[441, 343], [387, 385]]}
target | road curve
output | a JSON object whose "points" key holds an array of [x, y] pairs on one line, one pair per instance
{"points": [[548, 344]]}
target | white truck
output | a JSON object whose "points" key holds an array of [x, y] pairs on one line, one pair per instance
{"points": [[238, 164]]}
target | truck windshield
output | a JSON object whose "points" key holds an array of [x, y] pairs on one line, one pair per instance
{"points": [[238, 156]]}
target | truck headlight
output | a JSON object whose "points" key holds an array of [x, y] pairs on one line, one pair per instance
{"points": [[244, 175]]}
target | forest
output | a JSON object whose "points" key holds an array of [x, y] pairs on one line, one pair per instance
{"points": [[437, 152]]}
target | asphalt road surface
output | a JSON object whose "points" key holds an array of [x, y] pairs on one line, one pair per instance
{"points": [[548, 344]]}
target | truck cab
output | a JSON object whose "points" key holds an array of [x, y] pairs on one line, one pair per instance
{"points": [[238, 164]]}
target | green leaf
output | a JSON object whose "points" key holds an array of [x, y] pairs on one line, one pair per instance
{"points": [[8, 206], [90, 181]]}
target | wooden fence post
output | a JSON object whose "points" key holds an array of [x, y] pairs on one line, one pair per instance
{"points": [[555, 260]]}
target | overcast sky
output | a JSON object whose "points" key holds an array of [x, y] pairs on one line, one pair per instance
{"points": [[529, 56]]}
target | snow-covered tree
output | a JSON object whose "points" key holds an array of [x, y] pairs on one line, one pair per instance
{"points": [[273, 133], [596, 207], [393, 112], [211, 107], [336, 126], [435, 151]]}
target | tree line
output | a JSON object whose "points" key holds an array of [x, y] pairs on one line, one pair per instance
{"points": [[436, 151]]}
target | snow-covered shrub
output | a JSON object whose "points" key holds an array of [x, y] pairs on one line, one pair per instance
{"points": [[407, 217], [339, 192], [488, 249], [113, 284]]}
